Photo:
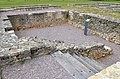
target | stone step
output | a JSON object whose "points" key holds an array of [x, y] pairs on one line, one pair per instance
{"points": [[72, 65], [90, 63], [111, 72]]}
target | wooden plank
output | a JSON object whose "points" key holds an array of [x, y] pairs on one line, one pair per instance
{"points": [[72, 65], [98, 66], [68, 67], [78, 65], [85, 63]]}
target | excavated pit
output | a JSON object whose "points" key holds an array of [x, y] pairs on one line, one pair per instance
{"points": [[53, 25], [70, 34], [65, 33]]}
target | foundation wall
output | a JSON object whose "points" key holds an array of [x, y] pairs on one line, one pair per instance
{"points": [[44, 19], [32, 47]]}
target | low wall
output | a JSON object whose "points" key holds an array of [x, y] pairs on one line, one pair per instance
{"points": [[42, 19], [99, 5], [29, 48], [105, 27], [32, 47], [29, 8]]}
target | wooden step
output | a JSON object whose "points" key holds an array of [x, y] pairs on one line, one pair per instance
{"points": [[92, 64], [72, 65], [86, 64]]}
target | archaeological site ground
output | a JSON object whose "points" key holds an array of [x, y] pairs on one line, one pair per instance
{"points": [[47, 41]]}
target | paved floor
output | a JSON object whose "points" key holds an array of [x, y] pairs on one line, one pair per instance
{"points": [[71, 34]]}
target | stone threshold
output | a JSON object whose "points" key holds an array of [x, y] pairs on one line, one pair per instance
{"points": [[111, 72]]}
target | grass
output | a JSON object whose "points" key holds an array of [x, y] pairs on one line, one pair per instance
{"points": [[64, 4], [7, 3]]}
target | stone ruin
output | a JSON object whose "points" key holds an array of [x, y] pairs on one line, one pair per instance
{"points": [[105, 27], [100, 5], [14, 49]]}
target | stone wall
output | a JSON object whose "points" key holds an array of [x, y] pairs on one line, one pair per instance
{"points": [[29, 47], [42, 19], [29, 8], [105, 27], [7, 39], [99, 5]]}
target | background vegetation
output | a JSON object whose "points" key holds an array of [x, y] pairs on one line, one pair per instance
{"points": [[7, 3]]}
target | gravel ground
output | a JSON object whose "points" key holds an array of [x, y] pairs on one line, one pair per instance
{"points": [[44, 67], [71, 34]]}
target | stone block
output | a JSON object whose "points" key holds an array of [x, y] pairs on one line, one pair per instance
{"points": [[111, 72]]}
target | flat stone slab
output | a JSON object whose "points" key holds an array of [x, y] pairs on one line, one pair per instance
{"points": [[111, 72]]}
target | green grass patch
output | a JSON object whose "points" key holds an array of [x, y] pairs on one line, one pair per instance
{"points": [[8, 3]]}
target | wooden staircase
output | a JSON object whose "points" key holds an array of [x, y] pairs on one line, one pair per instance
{"points": [[78, 66]]}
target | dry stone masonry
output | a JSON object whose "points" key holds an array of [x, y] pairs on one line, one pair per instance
{"points": [[29, 8], [41, 20], [99, 5], [28, 48], [31, 47]]}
